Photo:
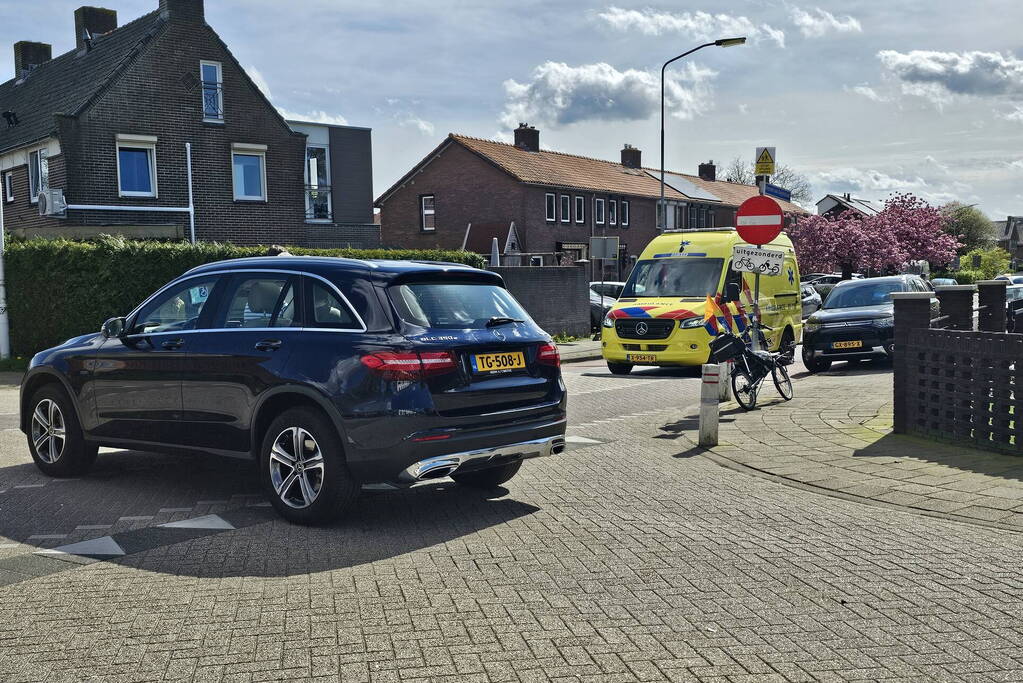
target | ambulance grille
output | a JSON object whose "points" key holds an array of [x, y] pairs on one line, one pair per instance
{"points": [[654, 328]]}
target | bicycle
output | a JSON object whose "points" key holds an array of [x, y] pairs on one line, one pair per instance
{"points": [[751, 368]]}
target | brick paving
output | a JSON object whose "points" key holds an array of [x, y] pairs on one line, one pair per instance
{"points": [[835, 434], [630, 559]]}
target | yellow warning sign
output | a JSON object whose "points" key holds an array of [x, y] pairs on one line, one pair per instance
{"points": [[765, 161]]}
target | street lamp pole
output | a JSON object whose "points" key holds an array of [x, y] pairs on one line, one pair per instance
{"points": [[662, 209]]}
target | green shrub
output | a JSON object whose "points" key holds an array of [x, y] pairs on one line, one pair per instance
{"points": [[966, 277], [58, 289], [823, 289]]}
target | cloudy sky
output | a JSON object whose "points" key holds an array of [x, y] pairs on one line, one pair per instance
{"points": [[868, 97]]}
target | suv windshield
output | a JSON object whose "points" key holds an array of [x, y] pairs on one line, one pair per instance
{"points": [[864, 294], [675, 277], [460, 306]]}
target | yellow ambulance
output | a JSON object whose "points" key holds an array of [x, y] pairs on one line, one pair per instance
{"points": [[677, 299]]}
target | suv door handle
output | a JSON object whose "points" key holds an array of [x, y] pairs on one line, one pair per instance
{"points": [[268, 345], [173, 344]]}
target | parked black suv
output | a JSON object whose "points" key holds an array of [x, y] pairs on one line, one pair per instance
{"points": [[331, 373], [856, 321]]}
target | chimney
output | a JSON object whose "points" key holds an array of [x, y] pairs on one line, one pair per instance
{"points": [[708, 171], [93, 21], [28, 55], [527, 138], [185, 11], [847, 197], [631, 157]]}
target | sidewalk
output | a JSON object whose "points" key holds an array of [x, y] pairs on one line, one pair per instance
{"points": [[581, 349], [835, 435]]}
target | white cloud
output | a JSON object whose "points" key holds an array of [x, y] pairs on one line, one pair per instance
{"points": [[818, 22], [877, 185], [940, 76], [1015, 115], [868, 92], [318, 116], [1016, 165], [258, 79], [559, 94], [423, 126], [695, 25]]}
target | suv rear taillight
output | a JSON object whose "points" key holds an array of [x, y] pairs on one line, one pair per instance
{"points": [[548, 355], [410, 366]]}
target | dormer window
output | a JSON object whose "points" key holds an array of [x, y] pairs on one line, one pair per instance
{"points": [[211, 75]]}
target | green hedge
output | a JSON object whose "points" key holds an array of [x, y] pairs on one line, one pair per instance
{"points": [[58, 289]]}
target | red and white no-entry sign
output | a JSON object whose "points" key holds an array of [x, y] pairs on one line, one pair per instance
{"points": [[759, 220]]}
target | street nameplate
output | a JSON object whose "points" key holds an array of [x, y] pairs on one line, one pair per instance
{"points": [[763, 261]]}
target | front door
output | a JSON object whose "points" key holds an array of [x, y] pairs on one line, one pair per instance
{"points": [[137, 377], [243, 353]]}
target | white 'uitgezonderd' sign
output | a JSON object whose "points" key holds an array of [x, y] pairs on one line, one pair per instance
{"points": [[761, 261]]}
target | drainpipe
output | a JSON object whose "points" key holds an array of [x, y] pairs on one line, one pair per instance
{"points": [[5, 327]]}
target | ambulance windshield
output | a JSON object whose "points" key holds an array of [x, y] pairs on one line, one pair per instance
{"points": [[675, 277]]}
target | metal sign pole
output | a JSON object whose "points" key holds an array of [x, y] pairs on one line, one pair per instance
{"points": [[756, 288]]}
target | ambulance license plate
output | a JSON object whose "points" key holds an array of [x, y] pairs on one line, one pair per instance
{"points": [[641, 358], [495, 362]]}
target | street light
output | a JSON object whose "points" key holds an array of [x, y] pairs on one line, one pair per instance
{"points": [[720, 42]]}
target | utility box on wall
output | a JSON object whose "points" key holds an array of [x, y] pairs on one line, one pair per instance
{"points": [[556, 297]]}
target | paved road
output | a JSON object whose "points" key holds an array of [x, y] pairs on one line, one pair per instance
{"points": [[627, 558]]}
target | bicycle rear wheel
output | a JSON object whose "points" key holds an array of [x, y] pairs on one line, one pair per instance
{"points": [[782, 381], [744, 389]]}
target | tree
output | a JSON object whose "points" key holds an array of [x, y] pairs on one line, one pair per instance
{"points": [[739, 171], [907, 229], [992, 261], [969, 225]]}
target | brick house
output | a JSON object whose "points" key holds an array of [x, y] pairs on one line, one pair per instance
{"points": [[103, 130], [553, 201]]}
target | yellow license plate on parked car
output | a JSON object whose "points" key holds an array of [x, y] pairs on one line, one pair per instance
{"points": [[492, 362], [847, 344], [641, 358]]}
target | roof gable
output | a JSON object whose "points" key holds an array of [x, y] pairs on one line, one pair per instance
{"points": [[69, 82]]}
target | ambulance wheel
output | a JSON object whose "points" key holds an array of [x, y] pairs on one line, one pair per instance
{"points": [[619, 368]]}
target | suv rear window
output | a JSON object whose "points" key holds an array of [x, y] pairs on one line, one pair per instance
{"points": [[454, 306]]}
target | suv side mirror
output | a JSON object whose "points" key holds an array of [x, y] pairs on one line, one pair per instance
{"points": [[114, 327], [732, 291]]}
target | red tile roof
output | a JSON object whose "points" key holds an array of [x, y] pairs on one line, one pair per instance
{"points": [[598, 175]]}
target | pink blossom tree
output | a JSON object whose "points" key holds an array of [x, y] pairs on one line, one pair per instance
{"points": [[907, 229]]}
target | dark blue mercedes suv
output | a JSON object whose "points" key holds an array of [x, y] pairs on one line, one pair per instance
{"points": [[330, 373]]}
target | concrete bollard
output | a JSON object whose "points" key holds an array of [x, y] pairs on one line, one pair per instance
{"points": [[724, 383], [709, 403]]}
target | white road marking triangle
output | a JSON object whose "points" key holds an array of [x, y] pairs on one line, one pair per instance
{"points": [[104, 546], [204, 522], [579, 439]]}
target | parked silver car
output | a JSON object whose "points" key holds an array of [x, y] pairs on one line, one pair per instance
{"points": [[811, 299]]}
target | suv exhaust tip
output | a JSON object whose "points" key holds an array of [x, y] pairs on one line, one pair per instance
{"points": [[441, 466]]}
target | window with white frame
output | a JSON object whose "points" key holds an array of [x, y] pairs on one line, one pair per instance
{"points": [[692, 217], [136, 165], [612, 211], [580, 209], [703, 216], [566, 208], [38, 173], [710, 218], [427, 213], [598, 211], [212, 76], [625, 213], [551, 206], [9, 186], [248, 164]]}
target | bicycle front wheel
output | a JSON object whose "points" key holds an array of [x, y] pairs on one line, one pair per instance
{"points": [[744, 389], [782, 381]]}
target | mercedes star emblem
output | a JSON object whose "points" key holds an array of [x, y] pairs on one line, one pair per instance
{"points": [[642, 328]]}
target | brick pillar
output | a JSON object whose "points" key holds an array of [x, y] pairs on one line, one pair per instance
{"points": [[957, 303], [912, 311], [992, 305]]}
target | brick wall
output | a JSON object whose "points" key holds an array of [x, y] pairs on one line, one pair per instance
{"points": [[22, 216], [467, 189], [568, 312], [158, 95]]}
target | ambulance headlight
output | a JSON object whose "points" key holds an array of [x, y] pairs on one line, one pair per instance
{"points": [[608, 321], [690, 323]]}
